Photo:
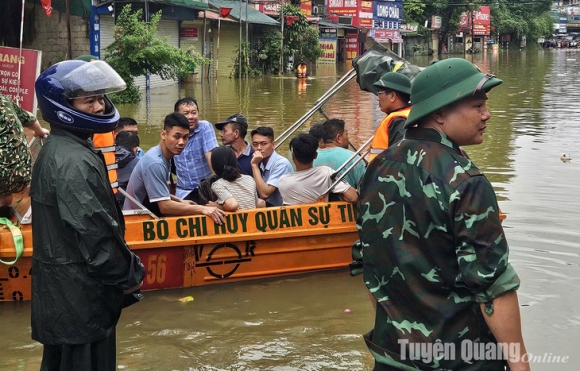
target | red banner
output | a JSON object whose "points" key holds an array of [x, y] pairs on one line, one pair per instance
{"points": [[47, 7], [478, 21], [306, 7], [29, 71]]}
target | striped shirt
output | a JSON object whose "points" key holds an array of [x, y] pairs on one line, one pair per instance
{"points": [[242, 189]]}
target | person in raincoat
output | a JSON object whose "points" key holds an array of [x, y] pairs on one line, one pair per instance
{"points": [[81, 265]]}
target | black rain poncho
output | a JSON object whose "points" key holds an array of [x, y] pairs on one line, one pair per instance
{"points": [[81, 263]]}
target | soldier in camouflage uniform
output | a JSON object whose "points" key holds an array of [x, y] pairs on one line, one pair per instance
{"points": [[15, 160], [434, 254]]}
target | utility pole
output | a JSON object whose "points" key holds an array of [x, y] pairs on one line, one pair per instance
{"points": [[282, 42], [240, 53]]}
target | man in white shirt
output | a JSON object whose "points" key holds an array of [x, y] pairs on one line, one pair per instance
{"points": [[308, 183]]}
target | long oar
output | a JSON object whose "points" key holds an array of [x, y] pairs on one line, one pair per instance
{"points": [[319, 103]]}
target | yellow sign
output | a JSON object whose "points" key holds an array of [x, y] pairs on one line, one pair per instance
{"points": [[328, 51]]}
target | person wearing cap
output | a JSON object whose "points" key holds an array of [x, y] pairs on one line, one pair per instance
{"points": [[267, 165], [233, 132], [434, 255], [393, 91], [81, 266], [194, 164]]}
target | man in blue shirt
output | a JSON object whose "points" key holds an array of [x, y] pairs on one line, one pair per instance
{"points": [[233, 132], [148, 182], [194, 164], [267, 165]]}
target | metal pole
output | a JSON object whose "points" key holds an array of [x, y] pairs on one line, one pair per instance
{"points": [[319, 103], [217, 53], [20, 56], [247, 41], [69, 37], [282, 43], [240, 50], [203, 45]]}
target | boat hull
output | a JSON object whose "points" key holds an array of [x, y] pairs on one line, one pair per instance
{"points": [[193, 251]]}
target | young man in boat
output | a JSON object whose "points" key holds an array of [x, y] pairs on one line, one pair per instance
{"points": [[148, 182], [393, 91], [233, 132], [308, 183], [128, 124], [14, 154], [194, 164], [267, 165], [435, 256], [81, 265], [335, 152]]}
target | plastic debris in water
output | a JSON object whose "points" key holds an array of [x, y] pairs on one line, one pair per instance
{"points": [[186, 299], [565, 157], [347, 311]]}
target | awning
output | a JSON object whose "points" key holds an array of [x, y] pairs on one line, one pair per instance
{"points": [[331, 24], [252, 16], [213, 15]]}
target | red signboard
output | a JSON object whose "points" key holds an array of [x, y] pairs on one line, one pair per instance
{"points": [[345, 8], [351, 46], [386, 36], [306, 7], [29, 71], [479, 21], [189, 33], [365, 14]]}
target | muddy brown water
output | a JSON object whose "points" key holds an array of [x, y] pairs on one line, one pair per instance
{"points": [[300, 322]]}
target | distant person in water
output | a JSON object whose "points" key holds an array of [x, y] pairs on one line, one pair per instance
{"points": [[302, 70]]}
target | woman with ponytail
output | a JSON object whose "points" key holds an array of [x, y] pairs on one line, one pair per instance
{"points": [[234, 190]]}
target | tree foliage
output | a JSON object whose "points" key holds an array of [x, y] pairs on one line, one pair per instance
{"points": [[300, 39], [508, 17], [268, 57], [137, 51]]}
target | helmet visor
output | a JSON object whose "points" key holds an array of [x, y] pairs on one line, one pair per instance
{"points": [[93, 78]]}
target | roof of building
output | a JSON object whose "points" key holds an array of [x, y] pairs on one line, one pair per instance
{"points": [[253, 15]]}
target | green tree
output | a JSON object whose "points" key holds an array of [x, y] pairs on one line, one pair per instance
{"points": [[247, 54], [515, 18], [268, 57], [137, 51], [300, 39], [529, 19]]}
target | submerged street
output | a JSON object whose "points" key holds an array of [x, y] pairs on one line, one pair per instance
{"points": [[315, 321]]}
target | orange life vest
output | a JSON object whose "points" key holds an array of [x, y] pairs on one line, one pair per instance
{"points": [[301, 70], [381, 140], [106, 144]]}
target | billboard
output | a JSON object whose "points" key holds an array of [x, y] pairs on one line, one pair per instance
{"points": [[479, 21], [387, 14], [329, 51], [20, 90]]}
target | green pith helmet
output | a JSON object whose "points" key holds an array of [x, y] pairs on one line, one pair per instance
{"points": [[394, 81], [445, 82]]}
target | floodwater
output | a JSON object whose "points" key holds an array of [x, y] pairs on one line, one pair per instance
{"points": [[302, 322]]}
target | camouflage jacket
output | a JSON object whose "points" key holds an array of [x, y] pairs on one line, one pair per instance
{"points": [[433, 248], [15, 159]]}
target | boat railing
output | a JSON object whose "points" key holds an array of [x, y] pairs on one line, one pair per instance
{"points": [[142, 210]]}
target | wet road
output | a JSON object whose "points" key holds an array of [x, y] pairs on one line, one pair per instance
{"points": [[299, 323]]}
